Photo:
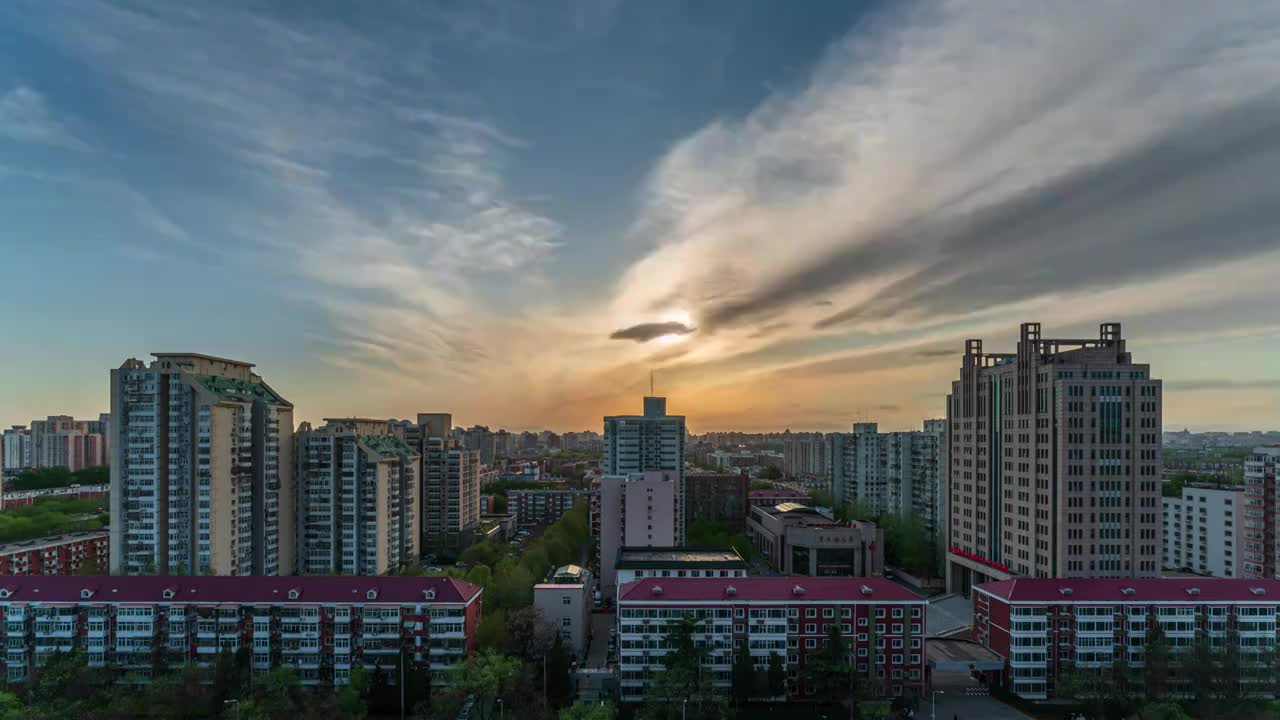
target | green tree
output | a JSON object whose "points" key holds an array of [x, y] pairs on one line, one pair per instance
{"points": [[588, 711], [1156, 666], [830, 674], [483, 553], [11, 707], [490, 677], [351, 698], [777, 676], [1161, 711], [744, 671], [682, 680], [492, 632], [769, 472]]}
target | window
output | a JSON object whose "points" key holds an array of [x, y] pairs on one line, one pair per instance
{"points": [[737, 612], [862, 622], [811, 612], [897, 612], [811, 643], [566, 622], [879, 612], [810, 628], [566, 600], [739, 628], [828, 612]]}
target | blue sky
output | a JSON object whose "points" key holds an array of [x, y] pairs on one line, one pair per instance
{"points": [[452, 206]]}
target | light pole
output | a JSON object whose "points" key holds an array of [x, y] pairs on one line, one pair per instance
{"points": [[499, 708], [933, 703], [684, 709], [235, 704]]}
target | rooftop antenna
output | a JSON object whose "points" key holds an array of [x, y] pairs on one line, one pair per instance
{"points": [[650, 382]]}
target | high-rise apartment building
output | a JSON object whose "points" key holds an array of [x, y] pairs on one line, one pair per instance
{"points": [[358, 499], [894, 472], [1202, 530], [479, 438], [201, 469], [1261, 514], [652, 441], [1055, 462], [450, 483], [804, 456], [636, 510], [62, 441], [17, 449]]}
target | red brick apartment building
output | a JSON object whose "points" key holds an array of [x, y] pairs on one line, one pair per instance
{"points": [[883, 623], [1042, 627], [323, 626], [56, 555]]}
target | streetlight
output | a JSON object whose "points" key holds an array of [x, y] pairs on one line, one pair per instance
{"points": [[235, 703], [933, 702], [684, 709], [499, 708]]}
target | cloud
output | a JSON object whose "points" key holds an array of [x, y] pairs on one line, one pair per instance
{"points": [[1197, 385], [644, 332], [938, 352], [887, 407], [25, 117]]}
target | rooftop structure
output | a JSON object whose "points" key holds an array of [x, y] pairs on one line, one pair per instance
{"points": [[648, 558]]}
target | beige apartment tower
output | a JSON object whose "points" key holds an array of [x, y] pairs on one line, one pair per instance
{"points": [[450, 481], [201, 469], [1054, 462]]}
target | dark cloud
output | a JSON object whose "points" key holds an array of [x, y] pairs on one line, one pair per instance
{"points": [[936, 353], [1205, 192], [1211, 384], [644, 332]]}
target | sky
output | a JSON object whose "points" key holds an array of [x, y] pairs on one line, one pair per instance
{"points": [[514, 212]]}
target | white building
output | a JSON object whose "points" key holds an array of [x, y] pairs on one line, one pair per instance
{"points": [[17, 449], [895, 472], [201, 469], [565, 602], [636, 510], [358, 498], [653, 441], [1200, 531]]}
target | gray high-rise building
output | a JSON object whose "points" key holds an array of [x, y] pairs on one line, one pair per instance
{"points": [[201, 469], [893, 472], [1055, 462], [450, 483], [358, 499], [652, 441]]}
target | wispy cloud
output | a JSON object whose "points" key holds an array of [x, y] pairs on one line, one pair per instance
{"points": [[25, 117]]}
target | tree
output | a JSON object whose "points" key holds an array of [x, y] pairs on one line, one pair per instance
{"points": [[559, 675], [682, 678], [11, 707], [744, 671], [1156, 666], [351, 698], [492, 632], [490, 677], [769, 472], [1161, 711], [588, 711], [529, 635], [483, 553], [830, 674], [777, 676]]}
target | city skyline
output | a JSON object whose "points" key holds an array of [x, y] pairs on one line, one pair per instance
{"points": [[794, 220]]}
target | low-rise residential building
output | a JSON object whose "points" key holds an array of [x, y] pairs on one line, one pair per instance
{"points": [[883, 623], [57, 554], [565, 602], [776, 496], [799, 540], [539, 508], [637, 563], [1200, 530], [636, 510], [720, 498], [78, 492], [1044, 627], [322, 626]]}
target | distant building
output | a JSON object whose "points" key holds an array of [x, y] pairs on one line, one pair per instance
{"points": [[652, 441], [202, 471], [539, 508], [804, 456], [776, 496], [479, 438], [450, 483], [634, 511], [129, 625], [1055, 461], [359, 499], [678, 562], [63, 441], [17, 450], [883, 623], [57, 555], [78, 492], [1044, 628], [1201, 531], [716, 498], [565, 602], [799, 540], [1262, 514], [894, 472]]}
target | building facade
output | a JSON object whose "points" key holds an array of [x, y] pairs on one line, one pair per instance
{"points": [[450, 483], [565, 602], [1262, 513], [799, 540], [202, 472], [1045, 627], [678, 562], [1055, 462], [883, 624], [359, 499], [804, 456], [78, 492], [57, 555], [716, 498], [1201, 530], [63, 441], [539, 508], [17, 449], [652, 441], [776, 496], [322, 626], [634, 511], [894, 472]]}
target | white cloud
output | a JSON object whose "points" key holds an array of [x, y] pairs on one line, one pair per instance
{"points": [[25, 117]]}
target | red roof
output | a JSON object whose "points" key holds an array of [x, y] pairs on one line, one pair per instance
{"points": [[766, 589], [243, 590], [1193, 589]]}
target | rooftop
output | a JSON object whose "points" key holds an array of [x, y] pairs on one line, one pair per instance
{"points": [[231, 589], [386, 446], [238, 390], [52, 541], [202, 356], [777, 493], [645, 558], [1087, 590], [767, 589]]}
